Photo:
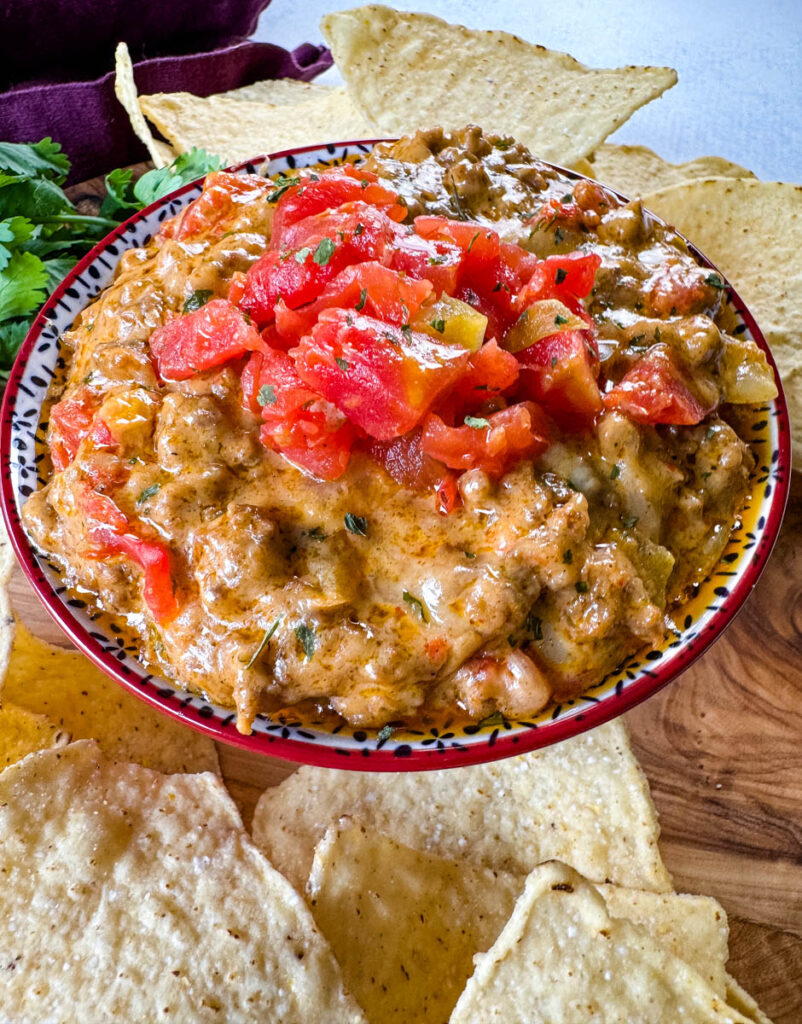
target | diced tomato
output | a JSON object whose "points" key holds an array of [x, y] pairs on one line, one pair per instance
{"points": [[379, 291], [110, 532], [326, 190], [656, 391], [448, 496], [236, 288], [211, 211], [355, 234], [493, 444], [567, 278], [405, 461], [71, 420], [383, 378], [498, 323], [480, 247], [490, 372], [298, 422], [560, 372], [201, 340], [555, 213], [428, 259]]}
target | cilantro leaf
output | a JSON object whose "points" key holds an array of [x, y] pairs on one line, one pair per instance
{"points": [[186, 167], [22, 285], [56, 270], [324, 251], [477, 422], [356, 524], [12, 335], [306, 637], [120, 196], [13, 232], [415, 602], [35, 160], [197, 299]]}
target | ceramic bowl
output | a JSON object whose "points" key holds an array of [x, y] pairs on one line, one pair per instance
{"points": [[701, 621]]}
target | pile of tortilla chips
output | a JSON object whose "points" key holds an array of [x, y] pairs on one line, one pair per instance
{"points": [[406, 71]]}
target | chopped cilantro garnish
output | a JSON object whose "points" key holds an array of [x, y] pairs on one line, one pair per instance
{"points": [[497, 718], [197, 299], [581, 587], [316, 533], [415, 602], [533, 626], [469, 554], [363, 298], [629, 521], [567, 199], [559, 320], [282, 184], [477, 422], [615, 472], [358, 230], [560, 276], [267, 395], [342, 363], [324, 251], [356, 524], [306, 637], [263, 643], [302, 254], [714, 281], [148, 493], [384, 733], [553, 361], [568, 556], [433, 260], [498, 286], [470, 244], [439, 325], [558, 236]]}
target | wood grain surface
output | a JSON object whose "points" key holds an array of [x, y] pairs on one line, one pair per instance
{"points": [[722, 747]]}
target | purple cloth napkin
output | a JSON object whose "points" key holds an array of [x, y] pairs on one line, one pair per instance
{"points": [[88, 121]]}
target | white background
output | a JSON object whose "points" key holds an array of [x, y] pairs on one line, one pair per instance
{"points": [[739, 93]]}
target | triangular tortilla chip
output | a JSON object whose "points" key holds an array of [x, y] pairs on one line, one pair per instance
{"points": [[239, 129], [585, 800], [408, 71], [22, 732], [562, 956], [129, 895], [81, 700], [634, 170]]}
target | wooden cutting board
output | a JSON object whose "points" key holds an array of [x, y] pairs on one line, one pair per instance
{"points": [[722, 747]]}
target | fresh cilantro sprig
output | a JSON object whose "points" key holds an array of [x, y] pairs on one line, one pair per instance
{"points": [[43, 235]]}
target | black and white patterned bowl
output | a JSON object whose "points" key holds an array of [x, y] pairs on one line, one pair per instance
{"points": [[707, 613]]}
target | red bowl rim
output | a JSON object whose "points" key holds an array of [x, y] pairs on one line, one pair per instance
{"points": [[498, 744]]}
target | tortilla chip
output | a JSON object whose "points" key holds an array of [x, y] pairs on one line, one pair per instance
{"points": [[562, 956], [22, 732], [634, 170], [125, 91], [240, 129], [752, 231], [408, 71], [405, 925], [585, 800], [79, 699], [277, 91], [740, 999], [693, 928], [136, 896]]}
